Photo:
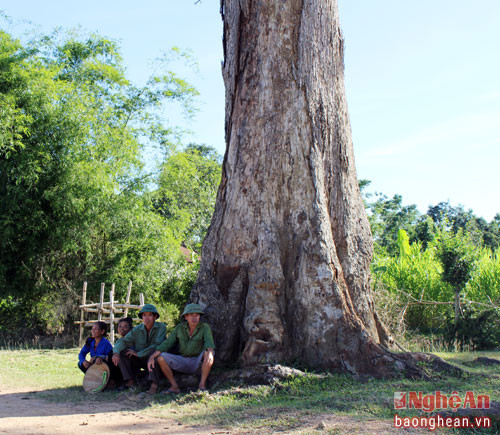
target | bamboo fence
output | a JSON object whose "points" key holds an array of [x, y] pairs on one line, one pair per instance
{"points": [[109, 309]]}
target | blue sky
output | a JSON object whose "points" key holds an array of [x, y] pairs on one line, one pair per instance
{"points": [[422, 82]]}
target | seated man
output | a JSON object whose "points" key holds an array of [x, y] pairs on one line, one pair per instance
{"points": [[131, 352], [196, 348]]}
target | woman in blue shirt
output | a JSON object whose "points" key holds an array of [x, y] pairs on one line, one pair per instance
{"points": [[97, 345]]}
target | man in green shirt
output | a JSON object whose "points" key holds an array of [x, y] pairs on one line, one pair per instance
{"points": [[131, 353], [196, 348]]}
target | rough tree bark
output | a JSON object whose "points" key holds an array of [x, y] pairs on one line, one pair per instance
{"points": [[284, 273]]}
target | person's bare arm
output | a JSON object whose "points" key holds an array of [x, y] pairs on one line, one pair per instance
{"points": [[152, 360]]}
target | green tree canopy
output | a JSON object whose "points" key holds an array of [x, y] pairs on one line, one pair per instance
{"points": [[188, 185], [72, 184]]}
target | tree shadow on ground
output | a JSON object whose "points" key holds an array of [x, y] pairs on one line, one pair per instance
{"points": [[66, 401]]}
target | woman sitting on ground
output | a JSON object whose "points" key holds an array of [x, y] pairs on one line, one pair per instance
{"points": [[97, 345]]}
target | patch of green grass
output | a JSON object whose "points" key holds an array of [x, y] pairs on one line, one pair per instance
{"points": [[53, 372], [40, 369]]}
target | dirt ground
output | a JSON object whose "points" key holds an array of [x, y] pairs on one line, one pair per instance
{"points": [[22, 412]]}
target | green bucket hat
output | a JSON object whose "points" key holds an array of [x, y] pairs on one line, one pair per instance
{"points": [[192, 308], [148, 308]]}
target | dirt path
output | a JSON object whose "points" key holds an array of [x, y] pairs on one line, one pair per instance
{"points": [[23, 412]]}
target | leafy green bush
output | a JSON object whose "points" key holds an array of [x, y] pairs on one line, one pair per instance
{"points": [[173, 294], [475, 330]]}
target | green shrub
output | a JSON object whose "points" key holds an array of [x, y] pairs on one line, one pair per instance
{"points": [[475, 330]]}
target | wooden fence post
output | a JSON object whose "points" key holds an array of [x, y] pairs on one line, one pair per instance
{"points": [[82, 315], [101, 301], [127, 301], [112, 312]]}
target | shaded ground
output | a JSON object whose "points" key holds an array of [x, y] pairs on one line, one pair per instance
{"points": [[22, 411]]}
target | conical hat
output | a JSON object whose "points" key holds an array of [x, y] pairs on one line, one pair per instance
{"points": [[96, 378]]}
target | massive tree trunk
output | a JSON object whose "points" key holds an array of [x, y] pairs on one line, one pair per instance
{"points": [[285, 272]]}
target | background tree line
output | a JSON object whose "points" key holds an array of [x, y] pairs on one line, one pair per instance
{"points": [[436, 273], [80, 202]]}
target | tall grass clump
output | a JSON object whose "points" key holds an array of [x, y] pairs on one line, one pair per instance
{"points": [[414, 292], [484, 285], [414, 278]]}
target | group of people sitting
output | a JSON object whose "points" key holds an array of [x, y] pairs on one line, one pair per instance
{"points": [[189, 347]]}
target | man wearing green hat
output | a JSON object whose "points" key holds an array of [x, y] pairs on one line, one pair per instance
{"points": [[196, 349], [131, 353]]}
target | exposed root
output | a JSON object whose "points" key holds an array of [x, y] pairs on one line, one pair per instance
{"points": [[384, 335], [263, 374], [387, 365], [436, 363]]}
